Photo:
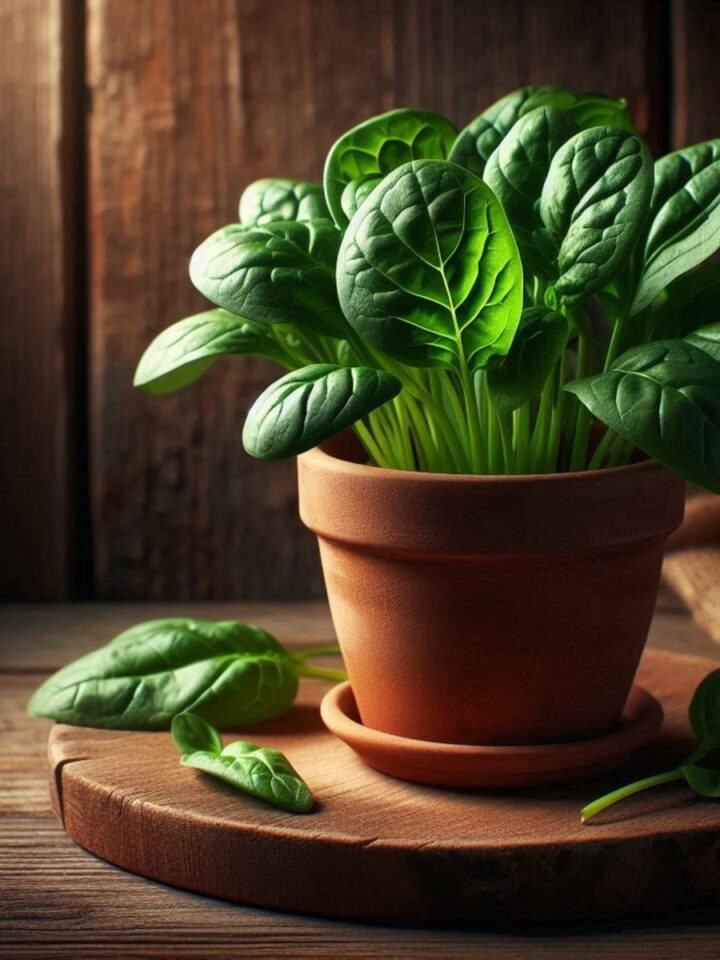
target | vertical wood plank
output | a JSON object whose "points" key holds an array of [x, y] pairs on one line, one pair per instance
{"points": [[696, 45], [40, 166], [190, 102]]}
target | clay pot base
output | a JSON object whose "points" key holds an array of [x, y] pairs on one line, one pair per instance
{"points": [[464, 766]]}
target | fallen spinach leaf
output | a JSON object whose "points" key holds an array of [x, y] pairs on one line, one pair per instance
{"points": [[258, 771], [704, 714], [232, 674]]}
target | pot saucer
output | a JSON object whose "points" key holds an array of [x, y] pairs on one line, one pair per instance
{"points": [[468, 766]]}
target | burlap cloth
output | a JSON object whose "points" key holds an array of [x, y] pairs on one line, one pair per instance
{"points": [[692, 562]]}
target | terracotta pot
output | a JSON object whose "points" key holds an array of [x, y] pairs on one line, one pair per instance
{"points": [[489, 610]]}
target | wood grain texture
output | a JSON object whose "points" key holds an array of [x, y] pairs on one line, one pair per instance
{"points": [[61, 903], [40, 164], [192, 101], [696, 33], [379, 849]]}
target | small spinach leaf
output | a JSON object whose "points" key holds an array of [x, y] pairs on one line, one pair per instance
{"points": [[663, 397], [309, 405], [483, 135], [429, 270], [229, 673], [594, 205], [684, 218], [184, 351], [380, 145], [521, 375], [703, 780], [704, 715], [516, 172], [275, 199], [190, 733], [276, 273], [258, 771]]}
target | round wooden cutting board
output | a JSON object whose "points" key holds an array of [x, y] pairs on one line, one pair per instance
{"points": [[380, 849]]}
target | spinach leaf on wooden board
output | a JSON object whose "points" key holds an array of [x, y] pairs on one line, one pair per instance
{"points": [[309, 405], [429, 270], [184, 351], [378, 146], [232, 674], [704, 715], [258, 771], [278, 199]]}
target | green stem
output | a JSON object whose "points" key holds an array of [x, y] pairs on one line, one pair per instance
{"points": [[602, 449], [592, 809], [319, 673], [316, 652]]}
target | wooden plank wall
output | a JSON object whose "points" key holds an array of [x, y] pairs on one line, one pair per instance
{"points": [[188, 101]]}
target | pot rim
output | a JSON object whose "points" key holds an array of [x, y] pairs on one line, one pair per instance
{"points": [[323, 458]]}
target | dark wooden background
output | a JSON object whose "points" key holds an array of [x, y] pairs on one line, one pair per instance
{"points": [[128, 130]]}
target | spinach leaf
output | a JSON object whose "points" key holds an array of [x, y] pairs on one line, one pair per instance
{"points": [[691, 301], [276, 273], [521, 375], [355, 192], [594, 205], [380, 145], [516, 173], [184, 351], [428, 269], [483, 135], [232, 674], [704, 715], [275, 199], [190, 733], [258, 771], [684, 218], [309, 405], [664, 398]]}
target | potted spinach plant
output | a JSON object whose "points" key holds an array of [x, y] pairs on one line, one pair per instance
{"points": [[501, 361]]}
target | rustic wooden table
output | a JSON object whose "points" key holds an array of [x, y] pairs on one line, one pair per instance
{"points": [[57, 901]]}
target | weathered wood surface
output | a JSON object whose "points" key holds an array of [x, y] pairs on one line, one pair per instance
{"points": [[40, 212], [60, 903], [379, 849], [189, 103], [695, 39]]}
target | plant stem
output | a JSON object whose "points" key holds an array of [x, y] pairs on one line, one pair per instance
{"points": [[592, 809], [319, 673], [316, 652]]}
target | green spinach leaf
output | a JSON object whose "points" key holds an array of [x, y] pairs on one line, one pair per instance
{"points": [[664, 398], [594, 205], [309, 405], [380, 145], [190, 733], [258, 771], [484, 134], [521, 375], [684, 218], [429, 270], [232, 674], [183, 352], [704, 715], [516, 172], [691, 301], [276, 273], [275, 199]]}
